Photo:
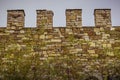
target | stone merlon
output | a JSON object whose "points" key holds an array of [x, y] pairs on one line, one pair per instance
{"points": [[102, 17], [45, 18], [15, 19]]}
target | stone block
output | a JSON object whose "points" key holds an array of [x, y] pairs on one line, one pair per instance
{"points": [[36, 36], [104, 45], [111, 54], [20, 36], [94, 55], [109, 45], [13, 27], [92, 44], [22, 31], [42, 36], [43, 59], [11, 31], [96, 29], [53, 55], [112, 28], [78, 50], [91, 51], [55, 40]]}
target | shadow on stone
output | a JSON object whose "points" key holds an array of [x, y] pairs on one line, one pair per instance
{"points": [[117, 77], [91, 78]]}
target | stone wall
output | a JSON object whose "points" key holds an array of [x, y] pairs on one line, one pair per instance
{"points": [[91, 46]]}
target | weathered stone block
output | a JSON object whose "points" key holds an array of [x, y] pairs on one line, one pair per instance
{"points": [[111, 54], [22, 31], [91, 51], [55, 40], [42, 36], [92, 44]]}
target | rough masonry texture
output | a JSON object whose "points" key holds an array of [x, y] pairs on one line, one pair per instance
{"points": [[83, 42]]}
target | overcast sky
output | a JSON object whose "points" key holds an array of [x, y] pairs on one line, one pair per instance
{"points": [[59, 7]]}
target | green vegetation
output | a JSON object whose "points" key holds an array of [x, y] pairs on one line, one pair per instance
{"points": [[21, 63]]}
